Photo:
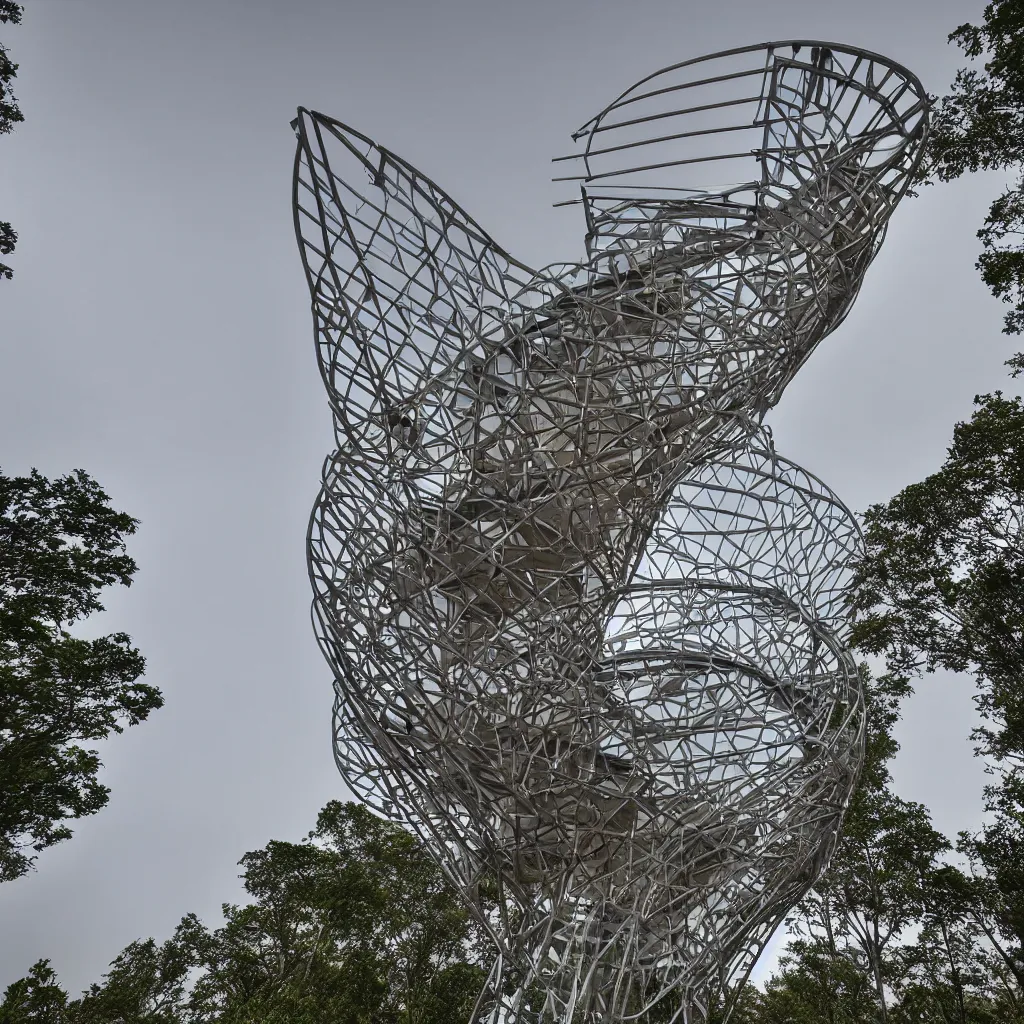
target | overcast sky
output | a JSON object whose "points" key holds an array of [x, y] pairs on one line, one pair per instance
{"points": [[157, 334]]}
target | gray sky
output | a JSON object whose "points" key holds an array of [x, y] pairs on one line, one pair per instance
{"points": [[157, 334]]}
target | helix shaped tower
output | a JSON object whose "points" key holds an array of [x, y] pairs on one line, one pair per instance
{"points": [[587, 627]]}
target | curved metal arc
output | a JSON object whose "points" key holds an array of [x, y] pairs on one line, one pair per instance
{"points": [[769, 48], [388, 157]]}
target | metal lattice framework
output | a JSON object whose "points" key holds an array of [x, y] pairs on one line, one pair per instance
{"points": [[587, 627]]}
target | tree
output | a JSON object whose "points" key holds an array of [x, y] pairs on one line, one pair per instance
{"points": [[146, 983], [10, 115], [354, 925], [35, 999], [60, 544], [940, 588], [845, 962], [819, 985], [958, 969], [980, 126], [893, 932]]}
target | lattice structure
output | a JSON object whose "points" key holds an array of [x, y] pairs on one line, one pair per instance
{"points": [[586, 625]]}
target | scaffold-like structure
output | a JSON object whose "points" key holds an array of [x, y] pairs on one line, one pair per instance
{"points": [[586, 625]]}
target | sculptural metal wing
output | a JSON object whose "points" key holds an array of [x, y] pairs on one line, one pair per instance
{"points": [[405, 284]]}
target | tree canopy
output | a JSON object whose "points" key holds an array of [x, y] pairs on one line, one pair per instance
{"points": [[940, 587], [979, 125], [60, 544], [354, 924], [10, 115]]}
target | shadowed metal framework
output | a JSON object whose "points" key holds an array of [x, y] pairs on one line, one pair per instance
{"points": [[586, 625]]}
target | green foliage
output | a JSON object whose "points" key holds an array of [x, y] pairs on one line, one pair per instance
{"points": [[146, 983], [10, 115], [744, 1008], [894, 933], [940, 588], [60, 544], [8, 239], [354, 925], [10, 112], [35, 999], [843, 964], [980, 126], [816, 984], [957, 967]]}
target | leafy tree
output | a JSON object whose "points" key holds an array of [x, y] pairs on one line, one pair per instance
{"points": [[35, 999], [940, 588], [852, 924], [989, 901], [819, 984], [892, 933], [874, 889], [146, 983], [958, 969], [744, 1008], [354, 925], [940, 585], [980, 126], [10, 115], [60, 544]]}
